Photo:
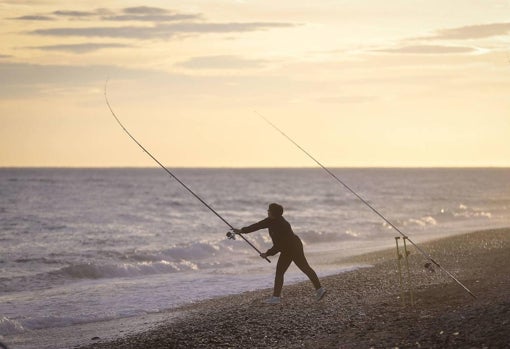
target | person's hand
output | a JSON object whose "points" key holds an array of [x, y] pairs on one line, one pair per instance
{"points": [[237, 231], [263, 255]]}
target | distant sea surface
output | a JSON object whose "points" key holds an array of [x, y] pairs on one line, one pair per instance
{"points": [[86, 245]]}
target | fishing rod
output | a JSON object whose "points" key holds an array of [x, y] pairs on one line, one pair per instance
{"points": [[425, 254], [229, 234]]}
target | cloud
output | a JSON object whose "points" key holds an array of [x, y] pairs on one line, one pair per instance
{"points": [[145, 10], [81, 14], [34, 18], [160, 18], [141, 13], [22, 79], [221, 62], [66, 14], [23, 74], [74, 13], [162, 31], [151, 14], [79, 48], [151, 18], [471, 32], [429, 49]]}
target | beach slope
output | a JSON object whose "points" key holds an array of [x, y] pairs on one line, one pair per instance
{"points": [[363, 308]]}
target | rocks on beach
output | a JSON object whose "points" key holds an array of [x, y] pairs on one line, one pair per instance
{"points": [[362, 308]]}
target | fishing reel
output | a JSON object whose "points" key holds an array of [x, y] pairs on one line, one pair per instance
{"points": [[231, 235]]}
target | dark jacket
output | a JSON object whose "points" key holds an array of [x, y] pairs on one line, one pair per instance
{"points": [[284, 239]]}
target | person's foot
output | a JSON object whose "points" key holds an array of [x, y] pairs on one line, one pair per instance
{"points": [[320, 293], [273, 300]]}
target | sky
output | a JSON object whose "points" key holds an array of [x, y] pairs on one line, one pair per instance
{"points": [[357, 83]]}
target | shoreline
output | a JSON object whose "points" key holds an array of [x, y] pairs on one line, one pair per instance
{"points": [[362, 308]]}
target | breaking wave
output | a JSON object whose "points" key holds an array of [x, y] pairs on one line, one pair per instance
{"points": [[8, 326], [311, 237], [445, 216], [94, 271]]}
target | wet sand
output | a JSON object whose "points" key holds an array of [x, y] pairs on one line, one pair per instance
{"points": [[363, 308]]}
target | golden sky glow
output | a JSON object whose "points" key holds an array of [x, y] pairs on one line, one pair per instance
{"points": [[357, 83]]}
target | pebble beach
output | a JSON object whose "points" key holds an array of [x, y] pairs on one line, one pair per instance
{"points": [[365, 308]]}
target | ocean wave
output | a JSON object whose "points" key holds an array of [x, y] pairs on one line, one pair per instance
{"points": [[200, 251], [311, 237], [42, 260], [196, 250], [462, 212], [459, 214], [109, 264], [169, 203], [106, 271], [8, 326], [93, 271], [421, 222], [36, 323]]}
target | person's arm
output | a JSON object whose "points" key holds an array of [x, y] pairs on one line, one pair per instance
{"points": [[254, 227], [272, 251]]}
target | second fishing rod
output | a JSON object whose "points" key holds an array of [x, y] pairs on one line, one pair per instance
{"points": [[425, 254]]}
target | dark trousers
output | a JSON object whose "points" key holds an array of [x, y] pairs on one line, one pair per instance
{"points": [[296, 255]]}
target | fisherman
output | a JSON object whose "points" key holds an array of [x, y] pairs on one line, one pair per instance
{"points": [[290, 247]]}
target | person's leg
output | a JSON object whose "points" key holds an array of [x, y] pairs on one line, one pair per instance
{"points": [[281, 267], [301, 262]]}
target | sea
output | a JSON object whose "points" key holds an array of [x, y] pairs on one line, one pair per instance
{"points": [[86, 245]]}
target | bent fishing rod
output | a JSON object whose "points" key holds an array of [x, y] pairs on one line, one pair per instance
{"points": [[425, 254], [230, 235]]}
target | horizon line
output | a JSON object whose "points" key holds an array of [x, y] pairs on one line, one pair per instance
{"points": [[259, 167]]}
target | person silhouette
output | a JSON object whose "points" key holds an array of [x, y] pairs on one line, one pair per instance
{"points": [[290, 247]]}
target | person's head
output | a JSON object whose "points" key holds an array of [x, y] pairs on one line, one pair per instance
{"points": [[275, 210]]}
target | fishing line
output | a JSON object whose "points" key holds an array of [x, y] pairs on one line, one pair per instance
{"points": [[425, 254], [173, 175]]}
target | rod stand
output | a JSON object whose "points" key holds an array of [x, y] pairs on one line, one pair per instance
{"points": [[404, 256]]}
